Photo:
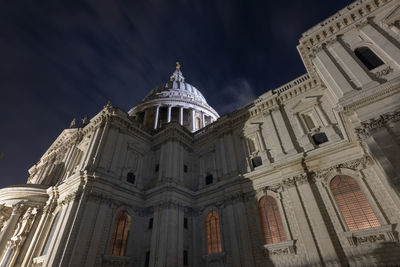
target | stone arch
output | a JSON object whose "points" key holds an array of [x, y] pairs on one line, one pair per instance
{"points": [[120, 233], [132, 228], [271, 220], [202, 222], [363, 190]]}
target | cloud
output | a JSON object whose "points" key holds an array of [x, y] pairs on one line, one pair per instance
{"points": [[236, 94]]}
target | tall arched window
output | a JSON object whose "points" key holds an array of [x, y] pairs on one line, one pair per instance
{"points": [[213, 233], [368, 58], [274, 231], [352, 203], [120, 234]]}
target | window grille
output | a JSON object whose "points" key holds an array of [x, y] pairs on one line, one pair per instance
{"points": [[353, 205], [213, 233], [120, 233], [271, 220]]}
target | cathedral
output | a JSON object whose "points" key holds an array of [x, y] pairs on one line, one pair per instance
{"points": [[307, 174]]}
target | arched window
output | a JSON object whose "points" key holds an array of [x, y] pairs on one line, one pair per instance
{"points": [[352, 203], [120, 234], [213, 233], [271, 220], [368, 58]]}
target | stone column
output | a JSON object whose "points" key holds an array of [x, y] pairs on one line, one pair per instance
{"points": [[322, 115], [156, 119], [263, 149], [247, 152], [318, 226], [282, 131], [10, 227], [181, 116], [334, 79], [360, 76], [381, 42], [304, 140], [169, 114], [306, 233], [330, 131], [276, 148], [203, 119], [193, 121]]}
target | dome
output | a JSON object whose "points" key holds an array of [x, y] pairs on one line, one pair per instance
{"points": [[176, 89], [175, 100]]}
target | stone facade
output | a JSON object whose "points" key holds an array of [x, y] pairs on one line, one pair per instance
{"points": [[166, 175]]}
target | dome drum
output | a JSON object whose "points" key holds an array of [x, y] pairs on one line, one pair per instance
{"points": [[176, 101]]}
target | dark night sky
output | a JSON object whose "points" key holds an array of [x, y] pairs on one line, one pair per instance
{"points": [[65, 59]]}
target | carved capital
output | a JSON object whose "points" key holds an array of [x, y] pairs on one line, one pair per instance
{"points": [[298, 179], [364, 131]]}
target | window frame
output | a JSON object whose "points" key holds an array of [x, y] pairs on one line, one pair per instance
{"points": [[204, 235], [282, 212], [108, 248], [373, 52], [365, 189]]}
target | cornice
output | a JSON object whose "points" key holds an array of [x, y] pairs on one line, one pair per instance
{"points": [[354, 15], [367, 127], [363, 98]]}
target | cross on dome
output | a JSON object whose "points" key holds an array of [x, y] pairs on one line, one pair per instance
{"points": [[177, 75]]}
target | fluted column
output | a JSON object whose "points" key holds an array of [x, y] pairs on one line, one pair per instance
{"points": [[181, 115], [156, 119], [203, 119], [169, 114]]}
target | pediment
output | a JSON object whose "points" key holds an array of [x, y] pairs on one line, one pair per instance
{"points": [[61, 139], [305, 103], [393, 16]]}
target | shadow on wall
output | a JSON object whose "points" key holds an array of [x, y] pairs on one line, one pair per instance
{"points": [[387, 254]]}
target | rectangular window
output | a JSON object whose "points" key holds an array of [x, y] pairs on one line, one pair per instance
{"points": [[147, 261], [185, 223], [320, 138], [185, 258], [151, 223], [209, 179], [185, 168], [157, 167]]}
